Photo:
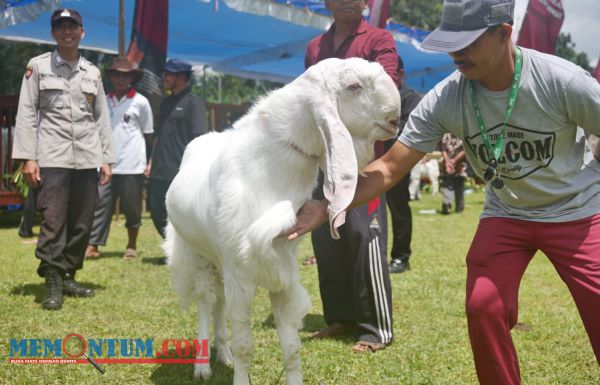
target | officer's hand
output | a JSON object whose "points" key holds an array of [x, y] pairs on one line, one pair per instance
{"points": [[31, 173], [311, 215], [105, 173]]}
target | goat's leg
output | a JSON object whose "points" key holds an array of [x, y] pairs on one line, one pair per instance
{"points": [[289, 307], [207, 283], [220, 329], [195, 282], [238, 305], [202, 370]]}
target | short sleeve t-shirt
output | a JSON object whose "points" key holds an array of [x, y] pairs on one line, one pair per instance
{"points": [[130, 119], [543, 161]]}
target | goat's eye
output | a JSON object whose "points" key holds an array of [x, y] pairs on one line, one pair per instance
{"points": [[354, 87]]}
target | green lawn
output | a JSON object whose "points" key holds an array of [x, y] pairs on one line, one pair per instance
{"points": [[134, 300]]}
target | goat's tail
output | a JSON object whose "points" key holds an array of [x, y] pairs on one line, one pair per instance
{"points": [[271, 223], [182, 271]]}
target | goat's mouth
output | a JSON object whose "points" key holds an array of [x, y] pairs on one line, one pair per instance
{"points": [[392, 130]]}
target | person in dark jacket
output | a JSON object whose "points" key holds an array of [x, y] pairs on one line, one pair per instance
{"points": [[181, 118]]}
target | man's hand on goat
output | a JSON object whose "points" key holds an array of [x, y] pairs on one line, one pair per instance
{"points": [[311, 215]]}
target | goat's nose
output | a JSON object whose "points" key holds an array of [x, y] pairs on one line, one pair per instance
{"points": [[393, 121]]}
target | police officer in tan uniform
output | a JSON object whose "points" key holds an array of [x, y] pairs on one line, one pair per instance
{"points": [[63, 136]]}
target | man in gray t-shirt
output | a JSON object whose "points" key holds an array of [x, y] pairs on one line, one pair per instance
{"points": [[519, 114]]}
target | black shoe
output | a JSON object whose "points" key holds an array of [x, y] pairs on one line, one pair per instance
{"points": [[446, 208], [74, 289], [53, 299], [397, 266], [25, 232], [162, 261]]}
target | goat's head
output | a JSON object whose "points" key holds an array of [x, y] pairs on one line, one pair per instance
{"points": [[368, 100], [354, 103]]}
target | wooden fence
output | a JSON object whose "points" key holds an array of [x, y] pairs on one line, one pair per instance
{"points": [[222, 116], [8, 112]]}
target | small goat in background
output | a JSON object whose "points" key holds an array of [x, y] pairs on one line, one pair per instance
{"points": [[237, 190]]}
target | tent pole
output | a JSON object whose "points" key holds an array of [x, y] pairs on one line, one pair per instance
{"points": [[121, 27]]}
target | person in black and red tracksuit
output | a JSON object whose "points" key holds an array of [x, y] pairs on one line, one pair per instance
{"points": [[353, 271]]}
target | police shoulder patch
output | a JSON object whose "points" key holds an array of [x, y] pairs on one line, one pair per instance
{"points": [[28, 72]]}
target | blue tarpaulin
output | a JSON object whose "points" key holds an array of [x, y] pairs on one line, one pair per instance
{"points": [[260, 39]]}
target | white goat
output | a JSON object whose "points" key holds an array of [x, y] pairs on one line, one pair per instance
{"points": [[237, 190]]}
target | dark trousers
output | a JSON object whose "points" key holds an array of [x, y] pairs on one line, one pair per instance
{"points": [[157, 192], [66, 198], [128, 188], [29, 210], [397, 200], [452, 188], [353, 272]]}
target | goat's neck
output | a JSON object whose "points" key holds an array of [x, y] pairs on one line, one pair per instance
{"points": [[302, 152], [285, 117]]}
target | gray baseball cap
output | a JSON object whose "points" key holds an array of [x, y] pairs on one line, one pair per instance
{"points": [[463, 21]]}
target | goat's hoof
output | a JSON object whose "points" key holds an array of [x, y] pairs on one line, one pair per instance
{"points": [[202, 371], [224, 356]]}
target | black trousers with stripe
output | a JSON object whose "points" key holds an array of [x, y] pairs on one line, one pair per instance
{"points": [[353, 273]]}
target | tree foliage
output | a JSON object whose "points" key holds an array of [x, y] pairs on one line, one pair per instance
{"points": [[565, 48], [15, 57], [230, 89], [424, 14]]}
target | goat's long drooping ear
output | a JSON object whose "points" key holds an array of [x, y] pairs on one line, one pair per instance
{"points": [[340, 169]]}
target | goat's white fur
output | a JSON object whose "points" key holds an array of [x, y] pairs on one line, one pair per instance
{"points": [[237, 190]]}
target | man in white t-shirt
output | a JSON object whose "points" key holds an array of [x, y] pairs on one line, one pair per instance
{"points": [[523, 117], [131, 122]]}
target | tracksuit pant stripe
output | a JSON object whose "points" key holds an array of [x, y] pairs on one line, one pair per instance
{"points": [[380, 300]]}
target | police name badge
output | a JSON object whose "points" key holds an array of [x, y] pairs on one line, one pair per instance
{"points": [[89, 98]]}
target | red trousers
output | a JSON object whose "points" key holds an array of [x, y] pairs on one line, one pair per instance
{"points": [[496, 262]]}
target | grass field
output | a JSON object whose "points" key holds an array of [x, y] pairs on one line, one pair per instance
{"points": [[134, 300]]}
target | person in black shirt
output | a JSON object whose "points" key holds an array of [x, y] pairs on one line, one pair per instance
{"points": [[398, 197], [181, 118]]}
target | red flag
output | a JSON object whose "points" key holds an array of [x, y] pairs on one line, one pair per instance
{"points": [[541, 25], [597, 72], [148, 47], [379, 12]]}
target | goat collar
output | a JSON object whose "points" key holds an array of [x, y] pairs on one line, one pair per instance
{"points": [[302, 152]]}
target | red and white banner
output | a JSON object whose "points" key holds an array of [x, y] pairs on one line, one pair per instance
{"points": [[148, 47], [379, 12], [541, 25]]}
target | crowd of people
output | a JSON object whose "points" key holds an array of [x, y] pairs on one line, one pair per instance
{"points": [[82, 149]]}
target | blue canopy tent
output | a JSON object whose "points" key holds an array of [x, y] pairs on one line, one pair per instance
{"points": [[261, 39]]}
